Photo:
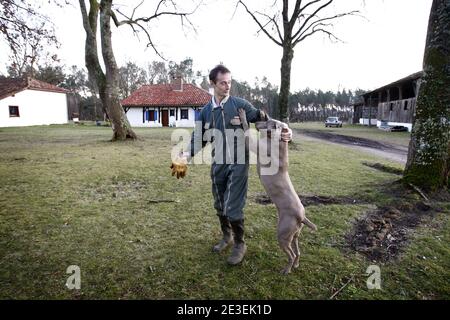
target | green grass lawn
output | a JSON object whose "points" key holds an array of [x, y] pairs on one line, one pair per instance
{"points": [[68, 196], [372, 133]]}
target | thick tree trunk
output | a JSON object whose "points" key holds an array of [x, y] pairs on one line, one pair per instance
{"points": [[107, 84], [120, 124], [96, 75], [428, 162], [286, 63]]}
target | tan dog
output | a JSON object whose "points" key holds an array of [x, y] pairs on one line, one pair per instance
{"points": [[291, 213]]}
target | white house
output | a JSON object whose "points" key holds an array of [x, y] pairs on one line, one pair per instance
{"points": [[28, 102], [163, 105]]}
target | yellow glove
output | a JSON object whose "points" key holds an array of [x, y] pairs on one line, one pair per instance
{"points": [[179, 167]]}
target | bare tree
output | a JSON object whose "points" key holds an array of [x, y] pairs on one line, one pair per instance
{"points": [[27, 32], [108, 82], [287, 30], [428, 164]]}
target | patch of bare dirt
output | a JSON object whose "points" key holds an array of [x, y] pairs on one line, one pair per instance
{"points": [[382, 233], [357, 141], [313, 200], [386, 150]]}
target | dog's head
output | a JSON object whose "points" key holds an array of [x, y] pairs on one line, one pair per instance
{"points": [[272, 126]]}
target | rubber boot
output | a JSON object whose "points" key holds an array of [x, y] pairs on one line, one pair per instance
{"points": [[226, 230], [239, 248]]}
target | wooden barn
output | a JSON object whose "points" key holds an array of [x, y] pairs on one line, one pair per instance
{"points": [[393, 104]]}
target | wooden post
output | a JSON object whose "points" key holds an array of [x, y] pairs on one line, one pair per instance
{"points": [[159, 114]]}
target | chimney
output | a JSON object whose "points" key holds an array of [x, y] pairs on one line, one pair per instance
{"points": [[177, 83]]}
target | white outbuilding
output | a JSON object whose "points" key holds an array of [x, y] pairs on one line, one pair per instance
{"points": [[28, 102], [165, 105]]}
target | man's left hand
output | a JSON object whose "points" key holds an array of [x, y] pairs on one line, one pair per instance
{"points": [[286, 134]]}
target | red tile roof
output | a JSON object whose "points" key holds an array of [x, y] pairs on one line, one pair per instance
{"points": [[164, 95], [11, 86]]}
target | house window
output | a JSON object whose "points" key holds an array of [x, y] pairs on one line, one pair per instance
{"points": [[172, 113], [185, 114], [151, 115], [14, 111], [406, 105]]}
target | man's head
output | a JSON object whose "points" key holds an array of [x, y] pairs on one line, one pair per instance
{"points": [[220, 79]]}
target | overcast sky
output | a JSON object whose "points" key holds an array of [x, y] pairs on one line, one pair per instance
{"points": [[386, 45]]}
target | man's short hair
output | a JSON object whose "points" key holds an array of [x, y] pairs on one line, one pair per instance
{"points": [[217, 69]]}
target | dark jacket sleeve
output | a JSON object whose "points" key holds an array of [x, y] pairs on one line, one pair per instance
{"points": [[253, 114]]}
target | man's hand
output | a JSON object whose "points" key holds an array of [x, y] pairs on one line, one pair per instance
{"points": [[179, 166], [286, 134]]}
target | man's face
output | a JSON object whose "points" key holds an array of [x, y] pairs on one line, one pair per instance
{"points": [[223, 85]]}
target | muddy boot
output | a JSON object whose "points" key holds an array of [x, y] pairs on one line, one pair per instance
{"points": [[226, 230], [239, 248]]}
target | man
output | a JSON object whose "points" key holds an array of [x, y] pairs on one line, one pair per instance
{"points": [[229, 170]]}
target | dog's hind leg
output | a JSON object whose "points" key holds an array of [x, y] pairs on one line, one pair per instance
{"points": [[285, 245], [296, 247]]}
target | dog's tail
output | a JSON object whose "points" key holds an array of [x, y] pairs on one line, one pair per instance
{"points": [[308, 223]]}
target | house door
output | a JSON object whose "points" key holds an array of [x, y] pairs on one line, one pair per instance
{"points": [[165, 118]]}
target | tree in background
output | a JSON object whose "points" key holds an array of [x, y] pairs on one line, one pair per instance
{"points": [[53, 74], [428, 164], [183, 69], [288, 30], [131, 77], [157, 73], [26, 32], [76, 81]]}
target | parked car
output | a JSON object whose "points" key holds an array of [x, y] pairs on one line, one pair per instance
{"points": [[333, 121], [398, 129], [384, 126]]}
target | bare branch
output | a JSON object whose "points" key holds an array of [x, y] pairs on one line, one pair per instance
{"points": [[301, 32], [134, 10], [331, 36], [273, 20], [308, 4], [138, 22], [295, 14], [313, 14], [285, 13], [260, 25]]}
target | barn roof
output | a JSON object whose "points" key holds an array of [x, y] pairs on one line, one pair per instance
{"points": [[165, 95], [11, 86], [411, 77]]}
